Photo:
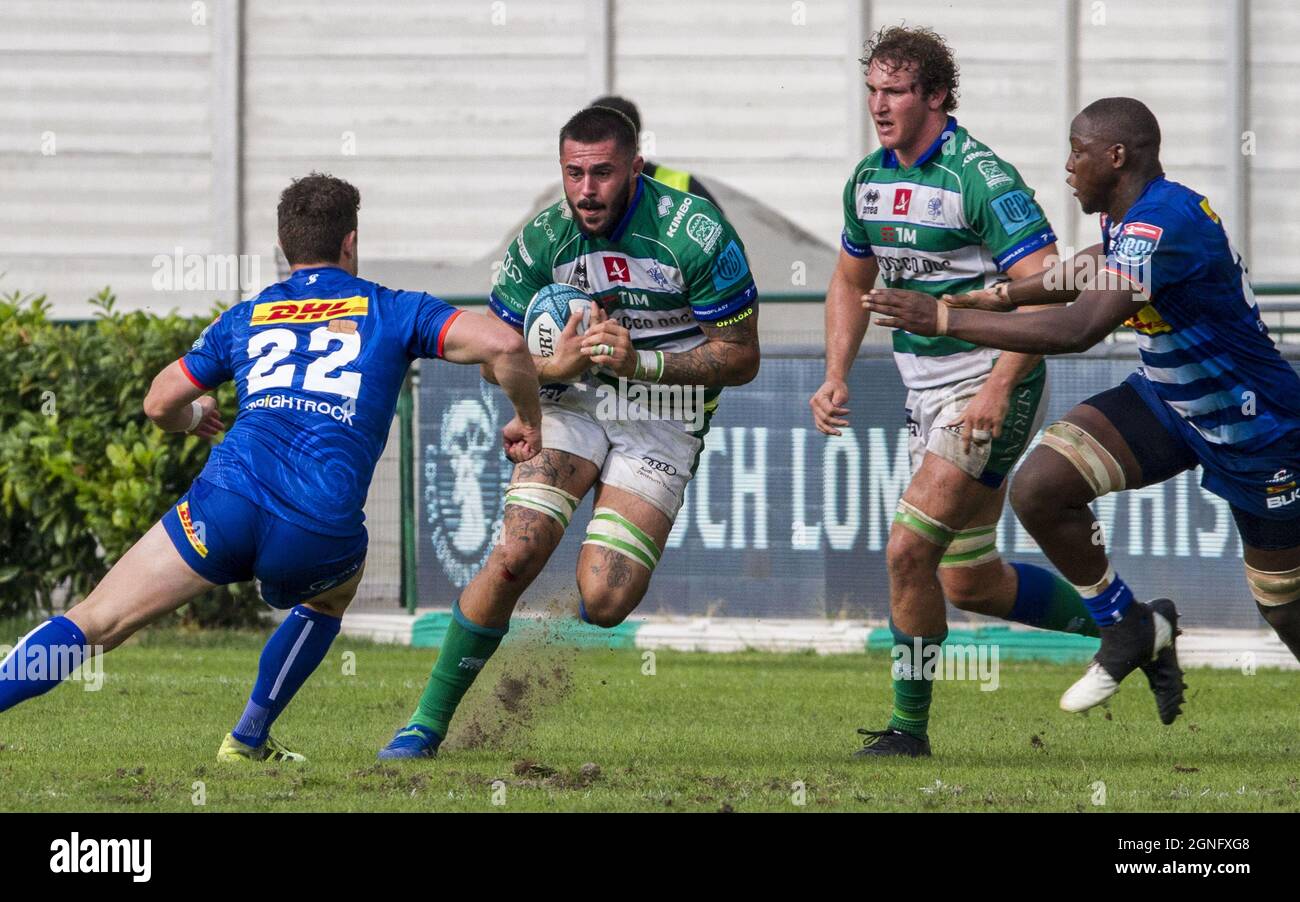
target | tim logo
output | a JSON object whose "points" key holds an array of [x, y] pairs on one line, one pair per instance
{"points": [[465, 477], [616, 269], [103, 856], [902, 201], [898, 236]]}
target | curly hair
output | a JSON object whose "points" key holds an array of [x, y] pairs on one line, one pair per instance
{"points": [[896, 47], [315, 214]]}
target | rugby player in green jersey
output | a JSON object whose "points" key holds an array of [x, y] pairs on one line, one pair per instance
{"points": [[677, 312], [935, 210]]}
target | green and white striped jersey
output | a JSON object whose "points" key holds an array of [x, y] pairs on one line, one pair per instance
{"points": [[672, 263], [950, 223]]}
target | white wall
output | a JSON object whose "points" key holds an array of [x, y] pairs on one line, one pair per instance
{"points": [[445, 113]]}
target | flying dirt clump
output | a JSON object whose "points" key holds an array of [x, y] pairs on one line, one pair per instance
{"points": [[525, 676]]}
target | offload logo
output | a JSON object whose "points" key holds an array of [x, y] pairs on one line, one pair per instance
{"points": [[307, 311], [187, 524]]}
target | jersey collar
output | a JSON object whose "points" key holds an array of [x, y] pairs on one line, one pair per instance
{"points": [[890, 160], [627, 214], [311, 269]]}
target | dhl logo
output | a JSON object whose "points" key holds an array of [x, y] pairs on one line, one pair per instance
{"points": [[1148, 322], [187, 524], [307, 311]]}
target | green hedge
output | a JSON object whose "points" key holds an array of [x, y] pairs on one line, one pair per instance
{"points": [[83, 473]]}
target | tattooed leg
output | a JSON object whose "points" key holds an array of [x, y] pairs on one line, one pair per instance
{"points": [[528, 538], [623, 545]]}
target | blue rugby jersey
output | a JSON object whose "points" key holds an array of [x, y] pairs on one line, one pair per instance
{"points": [[318, 362], [1206, 352]]}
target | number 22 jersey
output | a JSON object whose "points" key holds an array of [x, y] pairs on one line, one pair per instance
{"points": [[318, 362]]}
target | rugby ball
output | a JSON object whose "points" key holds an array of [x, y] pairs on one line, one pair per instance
{"points": [[547, 314]]}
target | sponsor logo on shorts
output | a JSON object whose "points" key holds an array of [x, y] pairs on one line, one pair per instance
{"points": [[661, 465], [307, 311], [1277, 501], [1281, 481], [187, 524]]}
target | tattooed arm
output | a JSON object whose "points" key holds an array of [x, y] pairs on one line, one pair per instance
{"points": [[729, 356]]}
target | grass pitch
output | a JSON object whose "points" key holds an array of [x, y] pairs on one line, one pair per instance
{"points": [[550, 728]]}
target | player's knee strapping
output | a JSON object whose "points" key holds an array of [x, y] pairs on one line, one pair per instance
{"points": [[911, 517], [551, 500], [972, 547], [1095, 463], [610, 529], [1273, 588]]}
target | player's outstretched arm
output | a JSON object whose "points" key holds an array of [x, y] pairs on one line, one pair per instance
{"points": [[176, 404], [1059, 283], [474, 338], [1067, 330], [846, 325]]}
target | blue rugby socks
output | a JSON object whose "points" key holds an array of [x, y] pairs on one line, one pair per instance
{"points": [[292, 653], [41, 660], [1108, 600]]}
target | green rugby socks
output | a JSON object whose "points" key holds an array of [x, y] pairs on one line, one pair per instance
{"points": [[1045, 600], [912, 688], [465, 650]]}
